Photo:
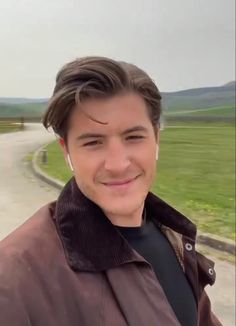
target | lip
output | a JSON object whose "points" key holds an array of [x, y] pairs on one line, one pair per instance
{"points": [[119, 182], [120, 185]]}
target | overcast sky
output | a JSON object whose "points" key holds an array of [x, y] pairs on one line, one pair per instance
{"points": [[180, 43]]}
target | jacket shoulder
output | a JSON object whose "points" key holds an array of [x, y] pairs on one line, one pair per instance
{"points": [[23, 254], [29, 242]]}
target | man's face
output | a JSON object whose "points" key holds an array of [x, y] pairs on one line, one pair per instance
{"points": [[114, 163]]}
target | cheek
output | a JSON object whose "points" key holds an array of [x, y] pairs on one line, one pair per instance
{"points": [[86, 166], [147, 164], [148, 156]]}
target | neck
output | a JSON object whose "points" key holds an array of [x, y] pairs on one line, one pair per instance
{"points": [[134, 219]]}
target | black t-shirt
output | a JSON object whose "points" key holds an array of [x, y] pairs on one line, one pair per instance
{"points": [[151, 243]]}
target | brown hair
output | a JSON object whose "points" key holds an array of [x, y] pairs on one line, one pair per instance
{"points": [[97, 77]]}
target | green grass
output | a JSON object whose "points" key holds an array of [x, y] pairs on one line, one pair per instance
{"points": [[56, 166], [218, 111], [195, 173], [9, 127]]}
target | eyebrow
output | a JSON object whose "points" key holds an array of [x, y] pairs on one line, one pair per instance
{"points": [[89, 135], [127, 131], [136, 128]]}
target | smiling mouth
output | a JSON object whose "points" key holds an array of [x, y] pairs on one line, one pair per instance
{"points": [[120, 182]]}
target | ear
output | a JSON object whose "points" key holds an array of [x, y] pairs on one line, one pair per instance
{"points": [[63, 147], [157, 152], [158, 136], [66, 153]]}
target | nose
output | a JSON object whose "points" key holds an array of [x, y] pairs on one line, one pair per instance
{"points": [[117, 157]]}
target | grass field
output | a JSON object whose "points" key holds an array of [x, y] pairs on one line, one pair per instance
{"points": [[9, 127], [218, 111], [196, 173], [56, 164]]}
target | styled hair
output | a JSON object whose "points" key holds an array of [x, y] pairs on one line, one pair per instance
{"points": [[97, 77]]}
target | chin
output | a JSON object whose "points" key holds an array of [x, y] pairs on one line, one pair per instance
{"points": [[122, 208]]}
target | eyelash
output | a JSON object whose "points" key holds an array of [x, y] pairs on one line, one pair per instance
{"points": [[93, 143], [98, 142], [135, 137]]}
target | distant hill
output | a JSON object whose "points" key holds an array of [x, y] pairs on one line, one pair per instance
{"points": [[31, 109], [220, 100], [232, 83], [21, 100], [199, 98]]}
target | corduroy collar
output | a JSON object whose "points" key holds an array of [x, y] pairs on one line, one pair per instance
{"points": [[90, 240]]}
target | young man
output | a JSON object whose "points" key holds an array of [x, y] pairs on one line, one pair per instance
{"points": [[107, 252]]}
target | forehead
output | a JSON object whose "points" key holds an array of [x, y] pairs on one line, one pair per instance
{"points": [[113, 113]]}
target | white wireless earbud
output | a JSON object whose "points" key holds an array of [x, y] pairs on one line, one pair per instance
{"points": [[69, 162]]}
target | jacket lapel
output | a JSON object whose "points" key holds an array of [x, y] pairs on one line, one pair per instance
{"points": [[140, 296]]}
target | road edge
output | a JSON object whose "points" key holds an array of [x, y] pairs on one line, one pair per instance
{"points": [[210, 240]]}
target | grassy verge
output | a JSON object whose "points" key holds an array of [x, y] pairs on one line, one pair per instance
{"points": [[196, 173], [56, 166], [9, 127]]}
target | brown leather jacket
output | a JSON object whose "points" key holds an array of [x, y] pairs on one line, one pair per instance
{"points": [[68, 266]]}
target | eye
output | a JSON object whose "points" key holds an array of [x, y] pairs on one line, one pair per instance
{"points": [[93, 143], [135, 137]]}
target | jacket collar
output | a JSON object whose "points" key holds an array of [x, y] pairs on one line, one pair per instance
{"points": [[92, 243]]}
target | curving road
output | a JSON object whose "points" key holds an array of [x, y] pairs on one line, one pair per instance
{"points": [[21, 194]]}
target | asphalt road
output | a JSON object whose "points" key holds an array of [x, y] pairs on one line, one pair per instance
{"points": [[21, 194]]}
